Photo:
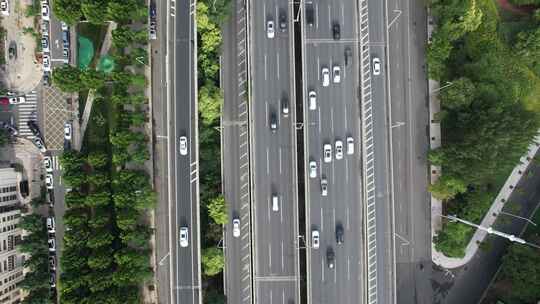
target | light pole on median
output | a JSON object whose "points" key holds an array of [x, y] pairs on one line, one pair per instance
{"points": [[448, 83], [519, 217]]}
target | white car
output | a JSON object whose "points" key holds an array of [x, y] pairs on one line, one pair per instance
{"points": [[44, 11], [336, 72], [376, 66], [64, 26], [47, 161], [339, 149], [325, 77], [315, 239], [184, 238], [312, 169], [67, 131], [236, 227], [17, 100], [4, 7], [44, 28], [50, 225], [350, 145], [45, 44], [39, 144], [324, 187], [327, 153], [183, 145], [49, 181], [312, 100], [52, 245], [270, 29], [46, 63]]}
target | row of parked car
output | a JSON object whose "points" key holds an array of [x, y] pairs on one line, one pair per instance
{"points": [[46, 41], [51, 230]]}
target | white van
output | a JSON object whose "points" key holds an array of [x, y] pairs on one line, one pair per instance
{"points": [[275, 203]]}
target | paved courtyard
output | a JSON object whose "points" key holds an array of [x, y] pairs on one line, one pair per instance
{"points": [[58, 108]]}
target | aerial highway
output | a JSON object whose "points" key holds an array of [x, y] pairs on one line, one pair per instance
{"points": [[176, 133], [408, 95], [274, 220], [333, 185], [235, 161]]}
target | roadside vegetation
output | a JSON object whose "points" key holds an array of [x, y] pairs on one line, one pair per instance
{"points": [[488, 69], [210, 16], [34, 247], [106, 254]]}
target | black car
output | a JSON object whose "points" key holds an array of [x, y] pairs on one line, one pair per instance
{"points": [[282, 22], [310, 16], [348, 54], [336, 31], [339, 234], [330, 257], [273, 122], [46, 79], [153, 14], [32, 124]]}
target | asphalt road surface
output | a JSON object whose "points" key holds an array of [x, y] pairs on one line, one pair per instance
{"points": [[183, 181], [235, 159], [409, 112], [382, 164], [336, 117], [275, 244]]}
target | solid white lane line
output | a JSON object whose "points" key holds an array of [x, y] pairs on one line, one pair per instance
{"points": [[318, 69], [265, 72], [322, 269], [322, 220], [270, 255], [320, 123], [266, 113], [342, 14], [332, 119], [277, 64], [329, 16], [346, 171], [348, 268], [282, 258], [348, 220], [280, 162], [345, 112], [267, 162], [317, 15], [334, 216]]}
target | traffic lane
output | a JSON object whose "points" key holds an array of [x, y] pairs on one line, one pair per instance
{"points": [[275, 292], [382, 167], [377, 26]]}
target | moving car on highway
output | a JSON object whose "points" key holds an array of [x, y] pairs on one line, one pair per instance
{"points": [[285, 106], [183, 145], [325, 77], [336, 72], [350, 145], [282, 21], [312, 100], [376, 66], [336, 32], [275, 203], [236, 227], [315, 239], [327, 153], [330, 257], [339, 149], [339, 234], [312, 169], [270, 30], [273, 122], [184, 238], [324, 187]]}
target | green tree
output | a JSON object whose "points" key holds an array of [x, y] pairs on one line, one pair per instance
{"points": [[67, 78], [122, 36], [212, 296], [212, 261], [459, 93], [447, 187], [98, 199], [33, 223], [68, 11], [97, 159], [92, 79], [453, 239], [528, 45], [210, 100], [121, 11], [93, 11], [217, 210], [521, 265]]}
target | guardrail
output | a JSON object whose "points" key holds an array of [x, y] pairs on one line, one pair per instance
{"points": [[368, 156]]}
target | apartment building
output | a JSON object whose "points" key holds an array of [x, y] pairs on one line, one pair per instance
{"points": [[11, 261]]}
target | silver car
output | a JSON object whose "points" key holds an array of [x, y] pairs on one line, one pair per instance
{"points": [[376, 66], [312, 169], [327, 152], [324, 187]]}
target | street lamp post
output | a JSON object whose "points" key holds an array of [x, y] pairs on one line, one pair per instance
{"points": [[448, 83]]}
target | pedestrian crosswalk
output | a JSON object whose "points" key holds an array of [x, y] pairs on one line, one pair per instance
{"points": [[25, 112], [55, 160]]}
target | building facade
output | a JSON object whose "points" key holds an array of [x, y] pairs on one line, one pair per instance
{"points": [[11, 261]]}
